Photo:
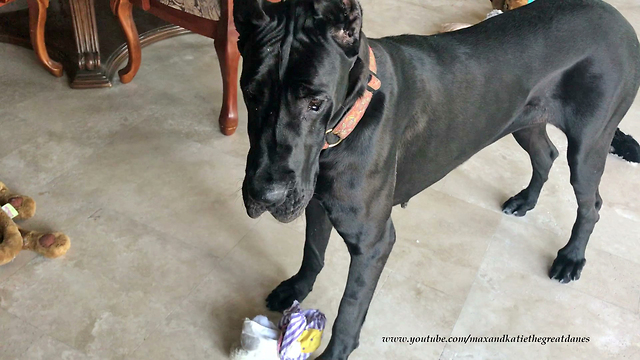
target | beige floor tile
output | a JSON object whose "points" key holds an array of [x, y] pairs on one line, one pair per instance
{"points": [[41, 160], [183, 188], [406, 308], [17, 131], [441, 241], [513, 296], [617, 235], [47, 348], [118, 281], [20, 261], [16, 335], [383, 18], [24, 76], [612, 279], [188, 333]]}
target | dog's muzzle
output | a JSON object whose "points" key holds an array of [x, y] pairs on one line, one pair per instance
{"points": [[284, 203]]}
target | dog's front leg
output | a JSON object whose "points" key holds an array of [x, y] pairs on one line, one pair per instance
{"points": [[300, 285], [369, 250]]}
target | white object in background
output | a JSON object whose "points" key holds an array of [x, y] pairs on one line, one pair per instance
{"points": [[259, 340], [448, 27], [493, 13]]}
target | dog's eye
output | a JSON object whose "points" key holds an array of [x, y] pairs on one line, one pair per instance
{"points": [[315, 104]]}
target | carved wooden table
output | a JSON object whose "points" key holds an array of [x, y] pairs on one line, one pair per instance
{"points": [[73, 32]]}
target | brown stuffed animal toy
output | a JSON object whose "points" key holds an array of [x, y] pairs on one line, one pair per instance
{"points": [[506, 5], [25, 205], [13, 239]]}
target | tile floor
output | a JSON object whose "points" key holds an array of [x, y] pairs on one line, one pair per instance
{"points": [[165, 264]]}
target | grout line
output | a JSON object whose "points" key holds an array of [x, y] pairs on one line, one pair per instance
{"points": [[475, 280], [242, 238], [43, 332], [18, 270], [165, 235], [31, 345], [441, 357], [38, 330], [599, 299]]}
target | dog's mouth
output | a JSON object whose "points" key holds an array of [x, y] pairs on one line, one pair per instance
{"points": [[292, 207]]}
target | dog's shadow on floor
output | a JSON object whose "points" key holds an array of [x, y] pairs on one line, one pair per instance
{"points": [[244, 290], [230, 316]]}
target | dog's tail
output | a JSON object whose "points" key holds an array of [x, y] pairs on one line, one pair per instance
{"points": [[625, 146]]}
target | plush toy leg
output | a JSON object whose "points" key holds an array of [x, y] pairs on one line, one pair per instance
{"points": [[51, 245], [514, 4], [25, 205], [498, 4], [10, 239]]}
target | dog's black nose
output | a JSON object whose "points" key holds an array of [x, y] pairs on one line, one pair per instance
{"points": [[272, 194]]}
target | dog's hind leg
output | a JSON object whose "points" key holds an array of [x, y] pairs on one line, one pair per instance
{"points": [[300, 285], [587, 153], [593, 99], [542, 153], [587, 156]]}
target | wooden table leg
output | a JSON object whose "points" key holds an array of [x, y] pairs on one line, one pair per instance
{"points": [[88, 60], [37, 20], [123, 10], [89, 73], [226, 44]]}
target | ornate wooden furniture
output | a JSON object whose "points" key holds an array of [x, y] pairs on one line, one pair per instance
{"points": [[37, 19], [87, 39], [211, 18]]}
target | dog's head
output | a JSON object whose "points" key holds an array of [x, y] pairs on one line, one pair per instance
{"points": [[302, 66]]}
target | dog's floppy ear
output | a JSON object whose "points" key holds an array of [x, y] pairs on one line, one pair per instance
{"points": [[248, 15], [346, 18], [350, 33]]}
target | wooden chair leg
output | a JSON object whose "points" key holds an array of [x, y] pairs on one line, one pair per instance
{"points": [[226, 44], [123, 10], [37, 19]]}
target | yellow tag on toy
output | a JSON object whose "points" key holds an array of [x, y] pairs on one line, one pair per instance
{"points": [[310, 340], [10, 210]]}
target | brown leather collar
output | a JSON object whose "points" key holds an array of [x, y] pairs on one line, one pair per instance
{"points": [[353, 116]]}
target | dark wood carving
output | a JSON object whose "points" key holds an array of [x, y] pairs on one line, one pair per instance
{"points": [[120, 54], [89, 72], [37, 22], [80, 32], [225, 41], [86, 31]]}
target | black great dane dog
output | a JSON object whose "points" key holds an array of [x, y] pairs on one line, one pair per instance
{"points": [[574, 64]]}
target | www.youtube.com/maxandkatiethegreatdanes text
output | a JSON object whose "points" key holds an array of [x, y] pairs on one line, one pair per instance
{"points": [[542, 340]]}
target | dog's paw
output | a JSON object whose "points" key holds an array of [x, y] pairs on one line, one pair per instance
{"points": [[283, 296], [566, 269], [518, 205]]}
